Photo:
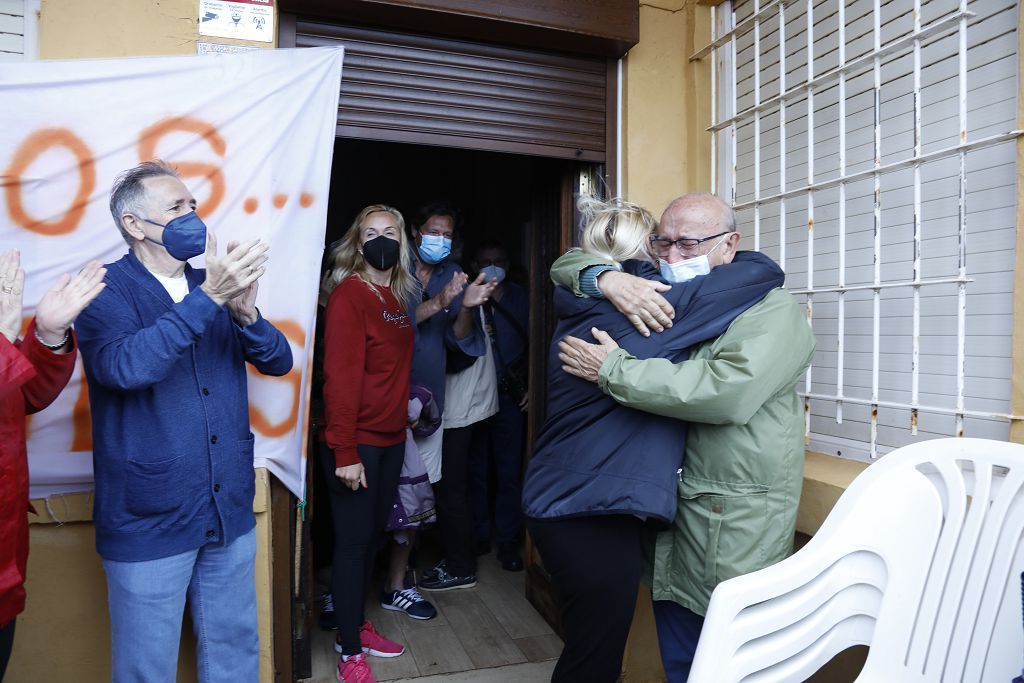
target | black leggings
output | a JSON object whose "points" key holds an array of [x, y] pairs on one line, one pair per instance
{"points": [[595, 563], [359, 520], [6, 643]]}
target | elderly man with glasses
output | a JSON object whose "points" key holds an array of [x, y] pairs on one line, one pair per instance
{"points": [[740, 485]]}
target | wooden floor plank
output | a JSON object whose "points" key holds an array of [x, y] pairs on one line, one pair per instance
{"points": [[480, 633], [530, 672], [487, 633], [540, 648], [437, 651], [510, 607]]}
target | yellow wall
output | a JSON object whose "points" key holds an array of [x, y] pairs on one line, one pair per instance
{"points": [[666, 153], [76, 29], [667, 149], [64, 632]]}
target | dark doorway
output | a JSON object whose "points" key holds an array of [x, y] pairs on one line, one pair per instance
{"points": [[496, 191], [524, 202]]}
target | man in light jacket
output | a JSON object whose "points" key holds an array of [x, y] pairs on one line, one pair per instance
{"points": [[740, 486]]}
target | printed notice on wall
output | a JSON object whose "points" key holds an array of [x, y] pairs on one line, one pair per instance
{"points": [[241, 19]]}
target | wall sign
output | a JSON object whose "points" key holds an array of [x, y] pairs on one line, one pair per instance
{"points": [[241, 19]]}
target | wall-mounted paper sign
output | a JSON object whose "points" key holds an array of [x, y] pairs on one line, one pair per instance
{"points": [[242, 19]]}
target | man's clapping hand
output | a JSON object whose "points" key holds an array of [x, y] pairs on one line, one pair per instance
{"points": [[235, 275]]}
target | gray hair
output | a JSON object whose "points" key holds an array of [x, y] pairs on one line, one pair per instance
{"points": [[706, 198], [128, 192]]}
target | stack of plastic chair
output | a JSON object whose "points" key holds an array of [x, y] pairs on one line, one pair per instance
{"points": [[920, 560]]}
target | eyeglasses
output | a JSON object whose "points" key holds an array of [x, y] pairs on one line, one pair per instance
{"points": [[662, 245]]}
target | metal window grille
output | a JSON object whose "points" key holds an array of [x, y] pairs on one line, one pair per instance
{"points": [[17, 30], [868, 146]]}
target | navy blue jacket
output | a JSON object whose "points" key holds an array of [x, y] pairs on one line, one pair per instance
{"points": [[595, 456], [436, 334], [172, 450], [513, 308]]}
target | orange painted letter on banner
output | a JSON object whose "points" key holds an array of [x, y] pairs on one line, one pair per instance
{"points": [[294, 332], [30, 150], [187, 124]]}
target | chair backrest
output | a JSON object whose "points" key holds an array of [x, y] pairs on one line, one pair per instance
{"points": [[920, 559]]}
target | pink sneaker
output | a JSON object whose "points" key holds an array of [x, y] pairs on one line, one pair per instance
{"points": [[354, 669], [377, 645]]}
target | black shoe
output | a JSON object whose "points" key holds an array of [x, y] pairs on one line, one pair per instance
{"points": [[441, 580], [482, 548], [508, 556]]}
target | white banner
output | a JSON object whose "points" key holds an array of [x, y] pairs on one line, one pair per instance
{"points": [[252, 135]]}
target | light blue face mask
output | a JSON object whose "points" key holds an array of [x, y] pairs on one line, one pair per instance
{"points": [[687, 269], [493, 272], [434, 248]]}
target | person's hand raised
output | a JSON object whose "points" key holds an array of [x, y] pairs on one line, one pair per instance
{"points": [[68, 297], [479, 291], [12, 284], [243, 306], [452, 289], [638, 299], [231, 275]]}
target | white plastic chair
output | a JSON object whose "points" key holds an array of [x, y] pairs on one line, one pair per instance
{"points": [[920, 559]]}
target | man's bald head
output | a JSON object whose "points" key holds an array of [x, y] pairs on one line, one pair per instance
{"points": [[703, 208], [696, 216]]}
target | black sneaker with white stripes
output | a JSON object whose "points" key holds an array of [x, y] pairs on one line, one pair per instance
{"points": [[409, 601]]}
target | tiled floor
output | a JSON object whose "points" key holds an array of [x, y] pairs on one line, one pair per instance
{"points": [[488, 633]]}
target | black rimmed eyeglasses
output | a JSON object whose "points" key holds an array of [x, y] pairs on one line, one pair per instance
{"points": [[663, 245]]}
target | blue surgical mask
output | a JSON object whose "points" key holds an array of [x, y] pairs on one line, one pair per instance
{"points": [[434, 248], [687, 269], [493, 272], [184, 236]]}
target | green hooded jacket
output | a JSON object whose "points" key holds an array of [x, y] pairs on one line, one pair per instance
{"points": [[741, 480]]}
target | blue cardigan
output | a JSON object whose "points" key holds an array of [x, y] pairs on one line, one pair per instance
{"points": [[172, 450], [595, 456]]}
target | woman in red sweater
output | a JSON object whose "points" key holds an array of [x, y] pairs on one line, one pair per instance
{"points": [[368, 342]]}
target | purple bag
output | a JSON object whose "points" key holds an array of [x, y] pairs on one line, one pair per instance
{"points": [[414, 501]]}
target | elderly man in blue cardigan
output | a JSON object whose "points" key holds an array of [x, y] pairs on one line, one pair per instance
{"points": [[165, 347]]}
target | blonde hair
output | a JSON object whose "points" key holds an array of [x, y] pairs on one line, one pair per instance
{"points": [[345, 260], [614, 229]]}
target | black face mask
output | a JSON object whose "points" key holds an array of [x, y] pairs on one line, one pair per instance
{"points": [[381, 252]]}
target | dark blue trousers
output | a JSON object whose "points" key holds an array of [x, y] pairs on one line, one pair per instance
{"points": [[505, 436], [6, 644], [678, 633]]}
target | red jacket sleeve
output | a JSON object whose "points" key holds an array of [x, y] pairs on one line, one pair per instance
{"points": [[344, 364], [15, 369], [39, 373], [53, 370]]}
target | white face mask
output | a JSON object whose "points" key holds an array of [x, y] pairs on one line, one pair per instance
{"points": [[687, 269]]}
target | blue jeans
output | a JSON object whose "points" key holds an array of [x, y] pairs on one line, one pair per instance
{"points": [[678, 634], [147, 600]]}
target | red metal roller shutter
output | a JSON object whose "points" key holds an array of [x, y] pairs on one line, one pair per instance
{"points": [[403, 87]]}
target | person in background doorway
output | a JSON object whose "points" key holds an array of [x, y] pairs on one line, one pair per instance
{"points": [[368, 343], [737, 391], [33, 371], [164, 347], [507, 317], [447, 320]]}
